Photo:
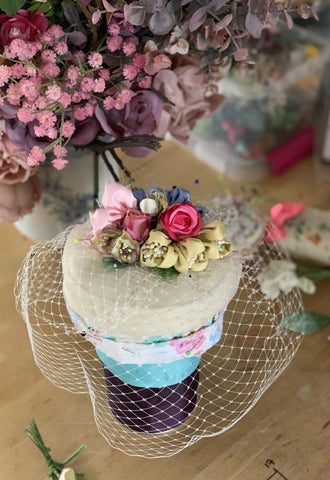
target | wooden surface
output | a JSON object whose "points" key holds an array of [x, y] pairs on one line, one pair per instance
{"points": [[290, 425]]}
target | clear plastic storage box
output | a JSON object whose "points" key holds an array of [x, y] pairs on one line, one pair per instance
{"points": [[267, 106]]}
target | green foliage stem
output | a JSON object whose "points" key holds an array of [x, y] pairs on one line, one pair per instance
{"points": [[54, 468]]}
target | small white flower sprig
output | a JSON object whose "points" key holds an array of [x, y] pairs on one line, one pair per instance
{"points": [[160, 229], [284, 275]]}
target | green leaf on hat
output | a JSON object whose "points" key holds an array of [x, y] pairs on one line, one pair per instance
{"points": [[167, 274], [110, 263], [305, 322]]}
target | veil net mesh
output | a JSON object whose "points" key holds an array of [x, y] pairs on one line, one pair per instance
{"points": [[231, 377]]}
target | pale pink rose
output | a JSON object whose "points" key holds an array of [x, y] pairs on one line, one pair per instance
{"points": [[117, 200], [100, 219], [137, 225], [187, 88], [13, 163], [18, 199]]}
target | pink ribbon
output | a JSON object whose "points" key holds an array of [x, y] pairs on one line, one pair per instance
{"points": [[279, 213]]}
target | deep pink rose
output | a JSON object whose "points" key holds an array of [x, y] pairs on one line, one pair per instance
{"points": [[18, 199], [137, 225], [25, 25], [181, 221], [13, 163]]}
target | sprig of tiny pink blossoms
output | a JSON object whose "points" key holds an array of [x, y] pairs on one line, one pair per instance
{"points": [[55, 86]]}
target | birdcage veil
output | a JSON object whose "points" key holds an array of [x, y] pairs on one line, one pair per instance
{"points": [[156, 385]]}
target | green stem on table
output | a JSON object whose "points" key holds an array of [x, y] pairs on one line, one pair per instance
{"points": [[54, 468], [74, 454]]}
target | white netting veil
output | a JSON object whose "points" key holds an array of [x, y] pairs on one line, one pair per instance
{"points": [[165, 364]]}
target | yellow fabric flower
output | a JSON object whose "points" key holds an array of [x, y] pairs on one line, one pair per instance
{"points": [[191, 254], [103, 242], [212, 236], [213, 231], [224, 248], [158, 251], [125, 249]]}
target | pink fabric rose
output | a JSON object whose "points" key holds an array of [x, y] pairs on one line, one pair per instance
{"points": [[137, 225], [186, 87], [181, 221], [117, 200], [18, 199], [25, 25], [13, 163]]}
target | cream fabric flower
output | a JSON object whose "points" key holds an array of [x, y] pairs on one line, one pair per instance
{"points": [[191, 254], [125, 249], [212, 236], [149, 206], [157, 251]]}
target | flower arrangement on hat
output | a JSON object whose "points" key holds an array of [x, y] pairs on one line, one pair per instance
{"points": [[159, 229], [103, 74]]}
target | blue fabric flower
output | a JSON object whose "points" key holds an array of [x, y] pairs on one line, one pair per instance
{"points": [[154, 190], [177, 195], [200, 210], [139, 194]]}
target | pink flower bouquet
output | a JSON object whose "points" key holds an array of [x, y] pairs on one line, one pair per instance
{"points": [[102, 74]]}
